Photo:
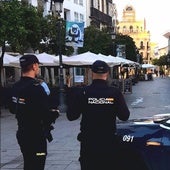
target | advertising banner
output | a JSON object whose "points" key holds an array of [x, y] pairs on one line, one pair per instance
{"points": [[74, 34], [121, 50]]}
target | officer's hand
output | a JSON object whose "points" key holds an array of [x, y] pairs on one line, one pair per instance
{"points": [[54, 114]]}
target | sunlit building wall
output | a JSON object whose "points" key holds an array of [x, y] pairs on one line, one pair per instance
{"points": [[163, 51], [137, 30]]}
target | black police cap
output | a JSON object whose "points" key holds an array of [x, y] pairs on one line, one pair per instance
{"points": [[28, 59], [100, 67]]}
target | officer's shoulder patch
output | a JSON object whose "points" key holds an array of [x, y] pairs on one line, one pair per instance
{"points": [[36, 83]]}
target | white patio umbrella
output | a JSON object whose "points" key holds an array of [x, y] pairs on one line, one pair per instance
{"points": [[7, 63], [148, 66], [113, 60], [124, 61], [44, 58], [85, 59], [8, 59], [49, 59], [57, 59]]}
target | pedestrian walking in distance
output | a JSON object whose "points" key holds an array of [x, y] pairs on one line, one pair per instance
{"points": [[29, 102], [99, 105]]}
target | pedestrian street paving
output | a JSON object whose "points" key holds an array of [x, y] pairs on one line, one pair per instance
{"points": [[147, 98]]}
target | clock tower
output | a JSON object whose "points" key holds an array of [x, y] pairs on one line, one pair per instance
{"points": [[136, 29]]}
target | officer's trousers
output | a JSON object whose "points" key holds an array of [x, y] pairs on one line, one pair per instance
{"points": [[100, 159], [33, 161], [97, 162], [34, 151]]}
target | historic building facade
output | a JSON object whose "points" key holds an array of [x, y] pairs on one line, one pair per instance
{"points": [[100, 13], [137, 30]]}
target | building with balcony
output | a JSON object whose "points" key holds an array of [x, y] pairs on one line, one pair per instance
{"points": [[100, 13]]}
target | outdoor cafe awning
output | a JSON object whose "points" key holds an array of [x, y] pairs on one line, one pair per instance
{"points": [[88, 58]]}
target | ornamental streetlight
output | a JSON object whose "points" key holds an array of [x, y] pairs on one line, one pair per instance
{"points": [[113, 37], [58, 8]]}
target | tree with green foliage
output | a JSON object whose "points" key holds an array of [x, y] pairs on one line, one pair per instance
{"points": [[161, 61], [99, 41], [20, 27], [96, 41], [131, 52], [53, 36]]}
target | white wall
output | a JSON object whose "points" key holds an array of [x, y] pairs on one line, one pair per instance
{"points": [[69, 8], [33, 2]]}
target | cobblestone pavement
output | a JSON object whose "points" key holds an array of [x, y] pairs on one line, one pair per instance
{"points": [[147, 98]]}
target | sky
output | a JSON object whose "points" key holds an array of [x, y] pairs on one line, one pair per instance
{"points": [[156, 14]]}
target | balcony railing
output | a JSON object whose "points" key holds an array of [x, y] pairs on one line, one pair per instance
{"points": [[100, 16]]}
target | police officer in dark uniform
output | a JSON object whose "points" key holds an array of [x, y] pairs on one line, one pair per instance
{"points": [[99, 105], [29, 102]]}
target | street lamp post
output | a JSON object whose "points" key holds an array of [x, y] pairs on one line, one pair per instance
{"points": [[113, 37], [58, 7], [112, 33]]}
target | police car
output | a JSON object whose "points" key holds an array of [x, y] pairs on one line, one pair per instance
{"points": [[144, 144]]}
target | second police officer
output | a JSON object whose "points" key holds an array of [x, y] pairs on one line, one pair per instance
{"points": [[30, 104], [98, 105]]}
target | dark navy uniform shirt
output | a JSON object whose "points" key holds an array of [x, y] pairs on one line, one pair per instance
{"points": [[29, 102], [99, 106]]}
